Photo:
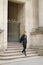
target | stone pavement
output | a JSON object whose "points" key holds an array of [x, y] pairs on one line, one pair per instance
{"points": [[38, 60]]}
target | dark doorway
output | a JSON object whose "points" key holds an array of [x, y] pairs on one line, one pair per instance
{"points": [[13, 25], [13, 31], [16, 20]]}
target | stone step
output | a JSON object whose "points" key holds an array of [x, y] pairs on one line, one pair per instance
{"points": [[10, 46], [15, 48], [16, 57], [15, 44], [14, 51], [8, 62], [18, 53], [20, 49]]}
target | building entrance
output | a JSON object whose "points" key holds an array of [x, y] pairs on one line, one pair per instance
{"points": [[13, 31], [16, 20]]}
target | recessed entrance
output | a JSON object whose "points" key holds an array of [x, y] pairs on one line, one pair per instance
{"points": [[13, 31], [15, 20]]}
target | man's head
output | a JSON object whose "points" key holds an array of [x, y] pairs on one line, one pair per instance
{"points": [[24, 32]]}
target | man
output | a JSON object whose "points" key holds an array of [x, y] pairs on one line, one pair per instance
{"points": [[24, 41]]}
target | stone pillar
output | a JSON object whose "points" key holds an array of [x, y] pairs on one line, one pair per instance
{"points": [[1, 24], [35, 14], [28, 20], [40, 13], [21, 17], [5, 19]]}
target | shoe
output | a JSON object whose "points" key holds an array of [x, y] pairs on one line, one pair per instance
{"points": [[22, 51]]}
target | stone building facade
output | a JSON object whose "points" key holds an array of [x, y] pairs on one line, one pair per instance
{"points": [[26, 13]]}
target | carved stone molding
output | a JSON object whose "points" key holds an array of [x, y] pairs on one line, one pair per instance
{"points": [[38, 30]]}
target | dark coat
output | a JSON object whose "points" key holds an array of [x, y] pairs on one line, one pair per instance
{"points": [[23, 38]]}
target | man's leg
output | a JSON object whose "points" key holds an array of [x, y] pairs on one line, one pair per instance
{"points": [[25, 51], [23, 48]]}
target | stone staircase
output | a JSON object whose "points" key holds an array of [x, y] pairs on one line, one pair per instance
{"points": [[13, 53]]}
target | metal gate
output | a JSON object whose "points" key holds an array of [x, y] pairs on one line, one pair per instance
{"points": [[13, 31]]}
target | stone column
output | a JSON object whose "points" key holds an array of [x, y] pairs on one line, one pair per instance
{"points": [[1, 24], [41, 13], [5, 20], [21, 17], [35, 14], [28, 20]]}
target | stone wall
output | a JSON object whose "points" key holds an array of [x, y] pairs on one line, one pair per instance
{"points": [[37, 39], [37, 36]]}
